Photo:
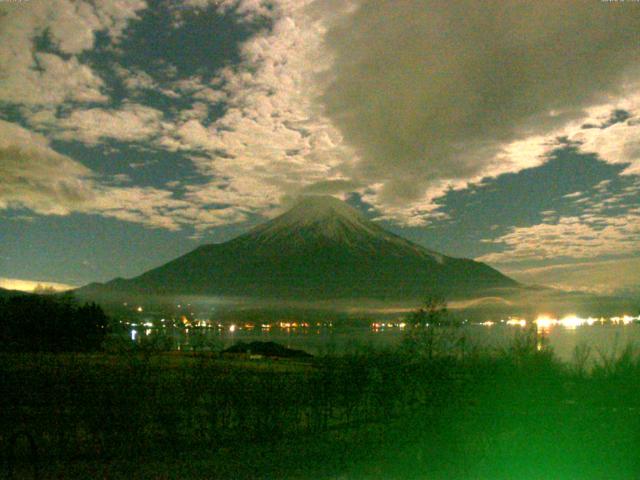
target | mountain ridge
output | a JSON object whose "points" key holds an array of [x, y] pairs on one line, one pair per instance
{"points": [[321, 248]]}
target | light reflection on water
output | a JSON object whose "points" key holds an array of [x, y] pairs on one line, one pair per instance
{"points": [[604, 338]]}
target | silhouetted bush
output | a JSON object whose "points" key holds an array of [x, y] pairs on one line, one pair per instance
{"points": [[50, 323]]}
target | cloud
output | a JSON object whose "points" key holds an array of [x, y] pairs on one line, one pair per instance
{"points": [[33, 78], [200, 90], [619, 276], [433, 94], [247, 10], [36, 177], [399, 102], [198, 111], [585, 237], [51, 80], [133, 122], [573, 195], [422, 103], [137, 81], [615, 142], [606, 200], [273, 139]]}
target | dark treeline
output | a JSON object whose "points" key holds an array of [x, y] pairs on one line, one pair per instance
{"points": [[50, 323]]}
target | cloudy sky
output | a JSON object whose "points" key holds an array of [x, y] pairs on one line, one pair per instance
{"points": [[132, 131]]}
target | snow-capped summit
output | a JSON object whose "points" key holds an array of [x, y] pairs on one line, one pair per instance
{"points": [[325, 214], [325, 218], [311, 208]]}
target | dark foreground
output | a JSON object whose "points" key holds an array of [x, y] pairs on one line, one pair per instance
{"points": [[428, 414]]}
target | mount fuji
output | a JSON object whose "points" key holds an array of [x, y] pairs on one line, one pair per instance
{"points": [[321, 249]]}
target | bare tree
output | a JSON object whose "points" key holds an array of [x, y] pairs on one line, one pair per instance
{"points": [[420, 338]]}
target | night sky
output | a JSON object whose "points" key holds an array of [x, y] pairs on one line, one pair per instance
{"points": [[506, 131]]}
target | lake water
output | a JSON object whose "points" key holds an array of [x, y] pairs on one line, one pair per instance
{"points": [[606, 339]]}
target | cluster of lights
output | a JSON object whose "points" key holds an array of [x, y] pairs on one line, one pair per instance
{"points": [[542, 322], [287, 325], [382, 325], [625, 319], [571, 322], [268, 326], [188, 320], [516, 322]]}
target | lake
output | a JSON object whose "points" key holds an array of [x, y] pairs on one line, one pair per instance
{"points": [[603, 338]]}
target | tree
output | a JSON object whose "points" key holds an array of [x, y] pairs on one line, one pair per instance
{"points": [[432, 312], [50, 323], [419, 338], [44, 290]]}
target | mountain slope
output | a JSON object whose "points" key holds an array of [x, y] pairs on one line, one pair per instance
{"points": [[320, 249]]}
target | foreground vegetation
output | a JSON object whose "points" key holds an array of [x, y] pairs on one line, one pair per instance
{"points": [[79, 400], [434, 408]]}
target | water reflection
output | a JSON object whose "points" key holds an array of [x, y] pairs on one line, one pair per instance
{"points": [[605, 335], [571, 322]]}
